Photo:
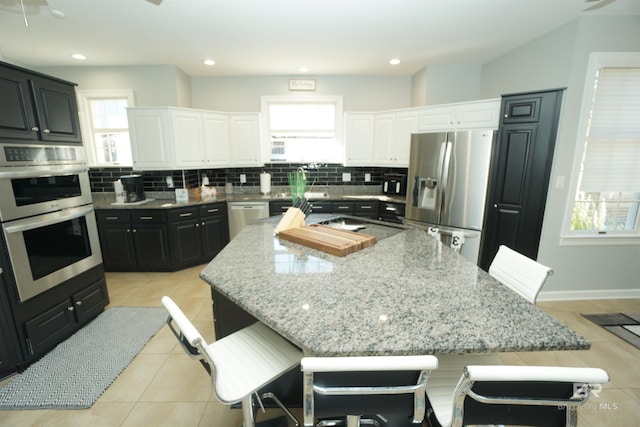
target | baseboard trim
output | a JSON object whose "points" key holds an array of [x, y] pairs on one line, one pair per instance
{"points": [[589, 295]]}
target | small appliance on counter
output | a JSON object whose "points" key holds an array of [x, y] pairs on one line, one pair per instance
{"points": [[394, 184], [133, 186]]}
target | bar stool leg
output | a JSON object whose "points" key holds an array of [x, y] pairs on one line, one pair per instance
{"points": [[247, 412]]}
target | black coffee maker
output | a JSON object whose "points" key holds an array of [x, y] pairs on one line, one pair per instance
{"points": [[133, 186]]}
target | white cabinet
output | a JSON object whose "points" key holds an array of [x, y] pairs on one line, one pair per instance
{"points": [[151, 142], [358, 138], [465, 115], [182, 138], [392, 137], [187, 135], [217, 143], [245, 139]]}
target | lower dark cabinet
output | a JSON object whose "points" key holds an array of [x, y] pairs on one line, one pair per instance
{"points": [[133, 241], [198, 233], [9, 346], [63, 318], [162, 239]]}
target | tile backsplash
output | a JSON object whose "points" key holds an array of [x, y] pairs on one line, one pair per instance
{"points": [[318, 174]]}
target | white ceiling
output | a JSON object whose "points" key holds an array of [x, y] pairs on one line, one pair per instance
{"points": [[276, 37]]}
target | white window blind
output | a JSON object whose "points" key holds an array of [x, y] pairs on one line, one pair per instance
{"points": [[607, 199], [612, 152]]}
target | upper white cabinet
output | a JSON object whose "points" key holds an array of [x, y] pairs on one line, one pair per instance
{"points": [[465, 115], [393, 137], [358, 135], [245, 139], [151, 138], [217, 142], [178, 138]]}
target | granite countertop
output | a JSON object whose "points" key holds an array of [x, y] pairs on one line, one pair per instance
{"points": [[166, 200], [407, 294]]}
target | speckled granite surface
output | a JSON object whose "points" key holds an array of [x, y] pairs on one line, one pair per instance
{"points": [[166, 200], [405, 295]]}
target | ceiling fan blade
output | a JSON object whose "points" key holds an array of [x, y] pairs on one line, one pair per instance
{"points": [[600, 4]]}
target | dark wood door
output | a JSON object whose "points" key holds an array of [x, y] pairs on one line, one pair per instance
{"points": [[57, 111], [17, 120], [519, 174], [51, 327], [116, 243], [215, 229], [9, 346], [151, 247], [187, 242]]}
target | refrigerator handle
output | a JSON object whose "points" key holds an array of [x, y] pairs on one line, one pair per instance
{"points": [[446, 153]]}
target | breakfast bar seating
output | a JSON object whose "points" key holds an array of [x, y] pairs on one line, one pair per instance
{"points": [[407, 294], [240, 364]]}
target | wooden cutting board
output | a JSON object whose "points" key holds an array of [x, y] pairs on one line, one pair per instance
{"points": [[328, 239]]}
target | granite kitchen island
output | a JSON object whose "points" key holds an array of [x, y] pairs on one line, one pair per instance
{"points": [[407, 294]]}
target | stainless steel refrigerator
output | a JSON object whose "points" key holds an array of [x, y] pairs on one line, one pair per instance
{"points": [[447, 184]]}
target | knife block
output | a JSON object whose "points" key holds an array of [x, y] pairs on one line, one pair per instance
{"points": [[293, 218]]}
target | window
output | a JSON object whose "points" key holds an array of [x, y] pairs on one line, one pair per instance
{"points": [[106, 128], [607, 198], [303, 129]]}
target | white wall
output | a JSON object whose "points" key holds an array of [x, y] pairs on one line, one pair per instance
{"points": [[559, 59], [242, 94]]}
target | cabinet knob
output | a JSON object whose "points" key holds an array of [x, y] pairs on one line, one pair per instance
{"points": [[70, 308], [495, 205], [35, 129], [128, 230], [197, 225], [506, 116], [202, 222], [46, 131], [78, 302]]}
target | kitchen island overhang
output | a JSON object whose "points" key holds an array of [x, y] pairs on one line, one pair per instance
{"points": [[407, 294]]}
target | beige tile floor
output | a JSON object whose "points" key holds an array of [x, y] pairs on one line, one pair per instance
{"points": [[163, 387]]}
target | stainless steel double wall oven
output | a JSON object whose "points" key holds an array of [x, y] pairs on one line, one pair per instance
{"points": [[48, 223]]}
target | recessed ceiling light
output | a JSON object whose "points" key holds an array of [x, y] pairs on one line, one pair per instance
{"points": [[303, 69], [394, 61], [209, 62], [57, 13], [78, 56]]}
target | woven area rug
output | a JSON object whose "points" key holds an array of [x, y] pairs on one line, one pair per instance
{"points": [[624, 325], [75, 373]]}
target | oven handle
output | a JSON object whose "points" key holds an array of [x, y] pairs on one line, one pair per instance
{"points": [[42, 172], [26, 225]]}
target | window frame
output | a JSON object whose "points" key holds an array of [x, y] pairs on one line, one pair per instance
{"points": [[597, 60], [266, 101], [84, 97]]}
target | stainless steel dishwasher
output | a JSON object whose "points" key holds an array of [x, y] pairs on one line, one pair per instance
{"points": [[242, 213]]}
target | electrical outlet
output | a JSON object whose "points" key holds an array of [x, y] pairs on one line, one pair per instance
{"points": [[346, 177], [367, 177], [243, 178], [169, 181]]}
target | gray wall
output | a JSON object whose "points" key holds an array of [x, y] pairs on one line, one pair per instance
{"points": [[242, 94], [559, 59], [157, 85]]}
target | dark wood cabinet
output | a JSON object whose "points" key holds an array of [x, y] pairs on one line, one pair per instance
{"points": [[133, 240], [215, 229], [519, 173], [51, 327], [36, 107], [198, 233], [161, 239], [9, 347], [366, 209], [391, 211]]}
